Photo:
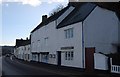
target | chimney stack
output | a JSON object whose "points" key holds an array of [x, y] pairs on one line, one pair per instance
{"points": [[21, 39], [27, 38], [44, 17]]}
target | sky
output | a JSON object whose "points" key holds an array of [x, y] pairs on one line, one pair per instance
{"points": [[19, 17]]}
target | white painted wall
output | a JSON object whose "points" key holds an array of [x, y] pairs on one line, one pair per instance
{"points": [[101, 30], [34, 45], [38, 40], [76, 41], [34, 37], [27, 53], [48, 31], [51, 46], [56, 40], [100, 61], [20, 52]]}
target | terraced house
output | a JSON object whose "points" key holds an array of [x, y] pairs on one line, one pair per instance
{"points": [[77, 36], [22, 49]]}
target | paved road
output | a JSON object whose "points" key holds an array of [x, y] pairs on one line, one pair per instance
{"points": [[11, 67], [16, 68]]}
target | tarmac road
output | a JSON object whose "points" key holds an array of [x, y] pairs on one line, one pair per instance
{"points": [[12, 68]]}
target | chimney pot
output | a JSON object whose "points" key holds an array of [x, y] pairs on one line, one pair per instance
{"points": [[44, 17]]}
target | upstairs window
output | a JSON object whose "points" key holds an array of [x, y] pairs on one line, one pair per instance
{"points": [[46, 41], [68, 33]]}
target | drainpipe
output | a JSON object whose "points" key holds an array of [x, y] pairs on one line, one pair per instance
{"points": [[56, 43], [83, 52]]}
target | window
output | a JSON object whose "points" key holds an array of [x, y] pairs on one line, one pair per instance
{"points": [[68, 33], [65, 55], [69, 55], [72, 55], [28, 48], [38, 45], [25, 48], [46, 40]]}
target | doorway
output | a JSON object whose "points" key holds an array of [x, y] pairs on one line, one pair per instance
{"points": [[59, 58], [89, 58]]}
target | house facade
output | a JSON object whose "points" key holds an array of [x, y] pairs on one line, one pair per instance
{"points": [[44, 39], [77, 36], [95, 31], [27, 53], [22, 49]]}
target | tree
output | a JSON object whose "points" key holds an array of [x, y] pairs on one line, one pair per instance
{"points": [[56, 10]]}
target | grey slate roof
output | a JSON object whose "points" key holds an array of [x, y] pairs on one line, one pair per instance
{"points": [[78, 14], [83, 9], [21, 42]]}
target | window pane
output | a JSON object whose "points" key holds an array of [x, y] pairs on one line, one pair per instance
{"points": [[65, 31], [65, 55], [68, 33], [68, 55], [71, 55]]}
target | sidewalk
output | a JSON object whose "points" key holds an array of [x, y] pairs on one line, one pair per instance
{"points": [[68, 71]]}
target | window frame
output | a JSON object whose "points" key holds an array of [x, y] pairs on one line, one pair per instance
{"points": [[69, 55], [69, 33]]}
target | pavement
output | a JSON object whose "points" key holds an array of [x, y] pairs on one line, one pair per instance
{"points": [[40, 68]]}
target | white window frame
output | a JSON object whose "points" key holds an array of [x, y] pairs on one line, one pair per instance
{"points": [[69, 33], [69, 55], [46, 41]]}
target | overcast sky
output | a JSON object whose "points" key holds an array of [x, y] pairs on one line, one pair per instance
{"points": [[19, 17]]}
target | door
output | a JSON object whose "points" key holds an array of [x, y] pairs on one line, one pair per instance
{"points": [[89, 59], [59, 58], [44, 58], [119, 49]]}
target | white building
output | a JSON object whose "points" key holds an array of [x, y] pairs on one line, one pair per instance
{"points": [[43, 37], [27, 53], [74, 35], [88, 29], [22, 49]]}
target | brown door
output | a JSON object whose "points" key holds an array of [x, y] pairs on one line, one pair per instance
{"points": [[89, 59]]}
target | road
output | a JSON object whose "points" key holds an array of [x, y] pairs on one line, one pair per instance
{"points": [[11, 67]]}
